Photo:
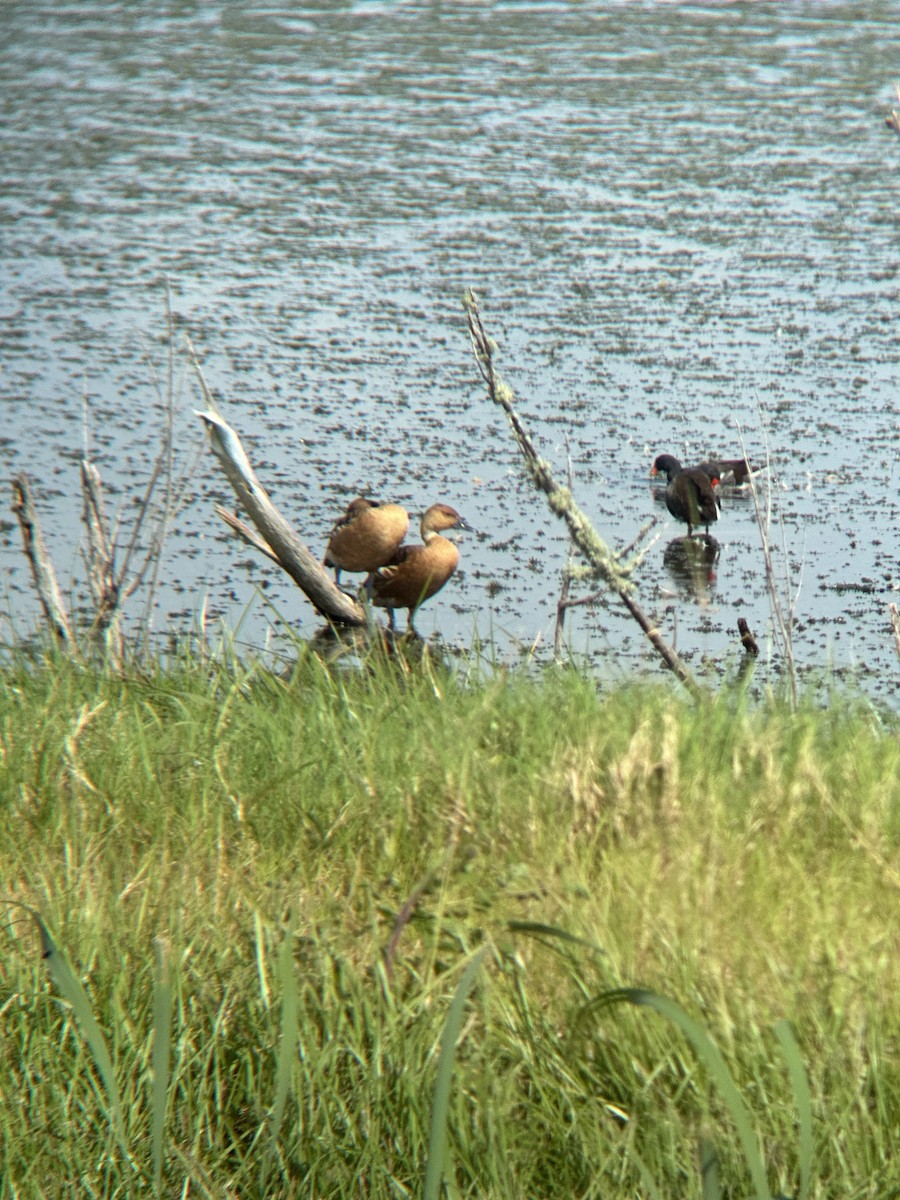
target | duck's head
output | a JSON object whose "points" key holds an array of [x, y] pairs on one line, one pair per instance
{"points": [[360, 505], [442, 516]]}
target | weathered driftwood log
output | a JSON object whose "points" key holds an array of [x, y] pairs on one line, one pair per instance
{"points": [[41, 564], [275, 537]]}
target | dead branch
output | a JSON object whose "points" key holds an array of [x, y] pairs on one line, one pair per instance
{"points": [[243, 531], [100, 562], [40, 562], [564, 602], [784, 620], [100, 556], [605, 564], [277, 537], [119, 556], [893, 121], [895, 624]]}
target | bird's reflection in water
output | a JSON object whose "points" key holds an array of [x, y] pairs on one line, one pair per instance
{"points": [[691, 562]]}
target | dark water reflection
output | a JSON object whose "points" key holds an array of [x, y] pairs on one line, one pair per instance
{"points": [[691, 564], [677, 218]]}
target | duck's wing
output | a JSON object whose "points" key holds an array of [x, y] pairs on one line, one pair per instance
{"points": [[403, 554]]}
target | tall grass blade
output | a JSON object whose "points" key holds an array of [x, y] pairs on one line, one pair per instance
{"points": [[69, 987], [437, 1141], [712, 1058], [653, 1192], [538, 929], [803, 1101], [709, 1169], [287, 1042], [160, 1057]]}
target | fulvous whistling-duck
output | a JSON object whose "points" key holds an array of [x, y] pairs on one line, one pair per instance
{"points": [[416, 573], [366, 536], [689, 493]]}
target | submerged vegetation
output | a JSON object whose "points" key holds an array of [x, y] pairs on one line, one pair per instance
{"points": [[363, 932]]}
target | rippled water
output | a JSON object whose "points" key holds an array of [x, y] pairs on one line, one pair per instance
{"points": [[679, 220]]}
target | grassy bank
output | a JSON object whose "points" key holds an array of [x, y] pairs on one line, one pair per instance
{"points": [[290, 879]]}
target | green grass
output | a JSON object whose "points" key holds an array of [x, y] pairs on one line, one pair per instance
{"points": [[363, 932]]}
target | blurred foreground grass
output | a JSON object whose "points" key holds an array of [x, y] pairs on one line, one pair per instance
{"points": [[271, 889]]}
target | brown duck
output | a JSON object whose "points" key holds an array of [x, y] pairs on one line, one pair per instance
{"points": [[366, 537], [416, 573], [689, 492]]}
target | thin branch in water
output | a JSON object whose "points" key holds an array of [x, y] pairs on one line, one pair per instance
{"points": [[895, 624], [893, 121], [112, 576], [563, 603], [784, 623], [41, 564], [243, 530], [605, 564]]}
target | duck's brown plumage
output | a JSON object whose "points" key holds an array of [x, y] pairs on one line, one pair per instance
{"points": [[418, 572], [366, 536], [689, 492]]}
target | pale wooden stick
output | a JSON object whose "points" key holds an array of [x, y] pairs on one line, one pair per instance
{"points": [[284, 546], [234, 522], [41, 564], [895, 623]]}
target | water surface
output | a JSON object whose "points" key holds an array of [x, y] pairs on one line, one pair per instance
{"points": [[680, 220]]}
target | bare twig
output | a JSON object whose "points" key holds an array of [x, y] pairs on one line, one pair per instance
{"points": [[404, 916], [604, 563], [105, 588], [895, 624], [893, 121], [40, 562], [563, 602], [243, 530], [175, 492], [580, 601], [113, 582], [113, 574], [784, 621], [100, 553]]}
